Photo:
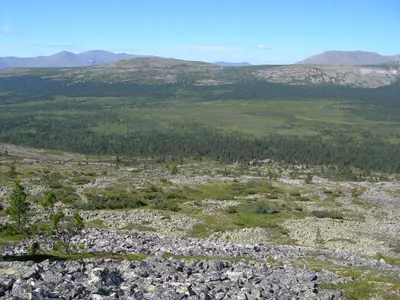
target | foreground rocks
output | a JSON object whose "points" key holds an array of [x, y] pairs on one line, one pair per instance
{"points": [[126, 242], [208, 269], [158, 278]]}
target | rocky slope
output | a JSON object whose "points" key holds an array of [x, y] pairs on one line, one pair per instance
{"points": [[357, 76], [206, 270], [147, 253]]}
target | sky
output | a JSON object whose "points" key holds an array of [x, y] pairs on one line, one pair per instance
{"points": [[255, 31]]}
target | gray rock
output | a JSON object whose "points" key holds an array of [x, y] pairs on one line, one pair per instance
{"points": [[21, 289]]}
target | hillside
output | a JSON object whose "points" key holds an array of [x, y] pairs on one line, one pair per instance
{"points": [[155, 70], [166, 229], [348, 58]]}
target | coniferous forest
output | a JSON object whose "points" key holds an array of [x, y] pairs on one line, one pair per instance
{"points": [[249, 120]]}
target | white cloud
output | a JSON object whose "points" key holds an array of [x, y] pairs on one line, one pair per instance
{"points": [[207, 48], [32, 45], [262, 47]]}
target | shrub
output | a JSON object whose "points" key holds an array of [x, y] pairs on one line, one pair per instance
{"points": [[165, 204], [8, 230], [152, 189], [295, 194], [174, 170], [113, 202], [224, 172], [308, 178], [164, 181], [265, 208], [34, 249], [328, 192], [356, 192], [56, 176], [298, 208], [303, 199], [81, 180], [328, 214], [67, 195], [231, 210], [55, 185], [174, 194]]}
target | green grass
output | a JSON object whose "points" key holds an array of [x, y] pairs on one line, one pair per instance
{"points": [[228, 191], [266, 117], [328, 214], [138, 227], [362, 203], [95, 224], [388, 259], [9, 240], [246, 217], [366, 283]]}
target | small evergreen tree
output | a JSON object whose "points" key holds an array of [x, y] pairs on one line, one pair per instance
{"points": [[309, 178], [65, 228], [319, 241], [12, 170], [49, 202], [19, 207], [117, 162], [174, 170]]}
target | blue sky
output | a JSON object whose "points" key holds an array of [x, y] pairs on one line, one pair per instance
{"points": [[257, 31]]}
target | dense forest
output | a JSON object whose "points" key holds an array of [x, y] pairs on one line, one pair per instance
{"points": [[32, 114]]}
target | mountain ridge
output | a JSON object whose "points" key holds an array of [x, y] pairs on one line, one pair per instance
{"points": [[64, 59], [334, 57]]}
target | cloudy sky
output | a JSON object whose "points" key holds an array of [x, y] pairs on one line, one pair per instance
{"points": [[256, 31]]}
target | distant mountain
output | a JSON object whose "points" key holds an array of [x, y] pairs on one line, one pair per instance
{"points": [[349, 58], [64, 59], [232, 64]]}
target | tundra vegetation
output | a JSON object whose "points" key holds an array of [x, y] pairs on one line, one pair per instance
{"points": [[265, 202]]}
